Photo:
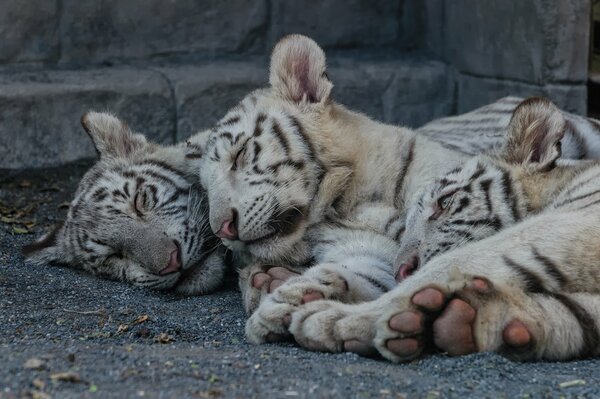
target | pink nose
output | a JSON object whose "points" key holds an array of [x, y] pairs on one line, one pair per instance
{"points": [[228, 230], [174, 262]]}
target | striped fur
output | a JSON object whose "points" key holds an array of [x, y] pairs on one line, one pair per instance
{"points": [[311, 183], [516, 217], [131, 210]]}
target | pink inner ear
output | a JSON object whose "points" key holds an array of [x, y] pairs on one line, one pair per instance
{"points": [[301, 72]]}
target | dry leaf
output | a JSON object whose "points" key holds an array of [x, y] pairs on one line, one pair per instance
{"points": [[25, 183], [63, 205], [39, 395], [163, 338], [20, 230], [67, 376], [34, 364], [573, 383], [141, 319], [38, 384], [122, 328]]}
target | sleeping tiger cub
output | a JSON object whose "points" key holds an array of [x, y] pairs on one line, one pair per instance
{"points": [[499, 254], [136, 217], [298, 183]]}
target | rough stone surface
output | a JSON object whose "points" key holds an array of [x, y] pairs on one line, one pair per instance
{"points": [[28, 30], [533, 41], [474, 92], [338, 23], [407, 92], [204, 93], [40, 112], [99, 30]]}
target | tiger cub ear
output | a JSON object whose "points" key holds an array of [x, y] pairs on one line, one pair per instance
{"points": [[298, 70], [46, 249], [534, 133], [111, 136]]}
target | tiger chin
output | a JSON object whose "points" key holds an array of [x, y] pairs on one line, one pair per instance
{"points": [[136, 217]]}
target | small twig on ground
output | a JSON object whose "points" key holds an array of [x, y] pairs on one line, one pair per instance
{"points": [[100, 312]]}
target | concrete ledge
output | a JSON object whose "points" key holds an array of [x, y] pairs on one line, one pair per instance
{"points": [[474, 92], [40, 112]]}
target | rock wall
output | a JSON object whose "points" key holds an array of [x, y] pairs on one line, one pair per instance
{"points": [[173, 67]]}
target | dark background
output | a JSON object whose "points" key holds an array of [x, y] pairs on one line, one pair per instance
{"points": [[171, 67]]}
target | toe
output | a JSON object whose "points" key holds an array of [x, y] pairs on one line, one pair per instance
{"points": [[429, 299], [407, 322], [480, 284], [274, 285], [360, 348], [260, 279], [407, 347], [280, 273], [311, 296], [516, 334], [453, 331]]}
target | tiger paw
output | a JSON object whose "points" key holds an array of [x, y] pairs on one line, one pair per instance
{"points": [[271, 319], [473, 319], [258, 281], [331, 326]]}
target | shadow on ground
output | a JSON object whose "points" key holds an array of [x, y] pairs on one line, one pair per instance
{"points": [[66, 334]]}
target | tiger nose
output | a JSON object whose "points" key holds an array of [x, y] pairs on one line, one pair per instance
{"points": [[228, 229], [174, 260]]}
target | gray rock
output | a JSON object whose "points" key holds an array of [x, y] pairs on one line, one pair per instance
{"points": [[98, 30], [337, 23], [474, 92], [40, 112], [28, 30], [405, 92], [535, 41], [204, 93]]}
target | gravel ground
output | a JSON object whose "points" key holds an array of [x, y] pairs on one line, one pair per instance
{"points": [[66, 334]]}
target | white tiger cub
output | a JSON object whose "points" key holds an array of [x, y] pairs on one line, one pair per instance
{"points": [[530, 290], [290, 176], [136, 217]]}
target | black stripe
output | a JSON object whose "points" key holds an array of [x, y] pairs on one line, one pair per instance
{"points": [[258, 125], [463, 203], [509, 194], [375, 283], [587, 324], [402, 174], [230, 121], [485, 186], [551, 268], [280, 135], [578, 198], [164, 166], [533, 283]]}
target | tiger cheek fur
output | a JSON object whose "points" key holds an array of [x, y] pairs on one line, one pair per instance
{"points": [[135, 217]]}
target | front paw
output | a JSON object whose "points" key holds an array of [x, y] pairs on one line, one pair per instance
{"points": [[258, 281], [271, 320], [331, 326]]}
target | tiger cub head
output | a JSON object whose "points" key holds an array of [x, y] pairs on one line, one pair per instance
{"points": [[135, 216], [262, 165], [485, 194]]}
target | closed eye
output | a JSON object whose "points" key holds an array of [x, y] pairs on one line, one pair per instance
{"points": [[138, 204], [238, 158]]}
